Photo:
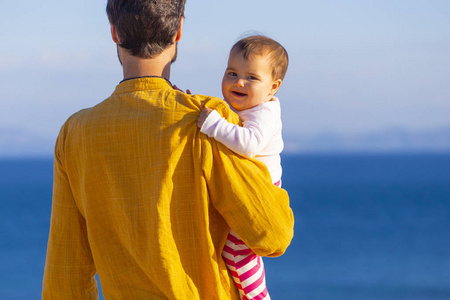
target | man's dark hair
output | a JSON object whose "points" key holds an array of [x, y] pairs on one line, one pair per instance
{"points": [[145, 27]]}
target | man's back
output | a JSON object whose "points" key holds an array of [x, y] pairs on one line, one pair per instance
{"points": [[143, 198]]}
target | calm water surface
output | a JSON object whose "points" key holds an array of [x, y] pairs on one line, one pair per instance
{"points": [[367, 227]]}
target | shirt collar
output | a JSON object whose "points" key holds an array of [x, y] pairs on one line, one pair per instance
{"points": [[142, 83]]}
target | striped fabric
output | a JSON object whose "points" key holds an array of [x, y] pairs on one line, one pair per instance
{"points": [[247, 269]]}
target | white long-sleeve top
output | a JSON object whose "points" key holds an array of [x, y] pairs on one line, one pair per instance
{"points": [[259, 137]]}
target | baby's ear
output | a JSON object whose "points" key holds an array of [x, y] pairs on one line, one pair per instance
{"points": [[275, 86]]}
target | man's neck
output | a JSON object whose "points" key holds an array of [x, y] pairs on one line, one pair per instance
{"points": [[137, 67]]}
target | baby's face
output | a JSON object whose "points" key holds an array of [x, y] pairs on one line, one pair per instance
{"points": [[248, 82]]}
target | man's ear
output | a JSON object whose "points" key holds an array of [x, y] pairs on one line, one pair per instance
{"points": [[114, 35], [275, 86], [180, 30]]}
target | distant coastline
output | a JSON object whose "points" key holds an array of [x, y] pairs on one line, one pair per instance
{"points": [[394, 140], [16, 142], [21, 143]]}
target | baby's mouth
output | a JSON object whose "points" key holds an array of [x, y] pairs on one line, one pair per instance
{"points": [[239, 94]]}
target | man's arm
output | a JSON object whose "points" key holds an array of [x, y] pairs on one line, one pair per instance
{"points": [[69, 267]]}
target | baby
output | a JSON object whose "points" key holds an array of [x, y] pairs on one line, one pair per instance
{"points": [[256, 67]]}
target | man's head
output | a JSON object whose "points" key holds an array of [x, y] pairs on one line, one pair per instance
{"points": [[145, 28]]}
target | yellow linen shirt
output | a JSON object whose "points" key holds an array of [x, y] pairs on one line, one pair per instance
{"points": [[145, 200]]}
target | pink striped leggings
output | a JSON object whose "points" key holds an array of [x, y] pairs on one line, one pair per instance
{"points": [[247, 269]]}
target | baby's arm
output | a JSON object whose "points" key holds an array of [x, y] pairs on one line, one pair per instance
{"points": [[247, 140]]}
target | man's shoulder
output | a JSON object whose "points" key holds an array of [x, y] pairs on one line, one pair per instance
{"points": [[205, 100], [222, 107], [73, 123], [78, 117]]}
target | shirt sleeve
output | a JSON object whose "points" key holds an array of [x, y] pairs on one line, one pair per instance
{"points": [[242, 191], [247, 140], [69, 268]]}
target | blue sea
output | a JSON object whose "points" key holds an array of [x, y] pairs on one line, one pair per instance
{"points": [[368, 226]]}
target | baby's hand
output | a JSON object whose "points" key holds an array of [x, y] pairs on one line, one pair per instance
{"points": [[203, 115], [178, 89]]}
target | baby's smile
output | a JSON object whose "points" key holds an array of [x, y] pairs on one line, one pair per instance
{"points": [[239, 94]]}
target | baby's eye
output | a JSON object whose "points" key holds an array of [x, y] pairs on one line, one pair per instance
{"points": [[232, 74], [252, 78]]}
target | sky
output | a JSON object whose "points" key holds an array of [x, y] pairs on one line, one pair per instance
{"points": [[355, 66]]}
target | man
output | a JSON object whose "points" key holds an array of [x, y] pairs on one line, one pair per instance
{"points": [[140, 196]]}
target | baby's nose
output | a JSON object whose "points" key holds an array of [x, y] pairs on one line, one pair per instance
{"points": [[239, 82]]}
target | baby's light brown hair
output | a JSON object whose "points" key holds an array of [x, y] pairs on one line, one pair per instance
{"points": [[262, 45]]}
